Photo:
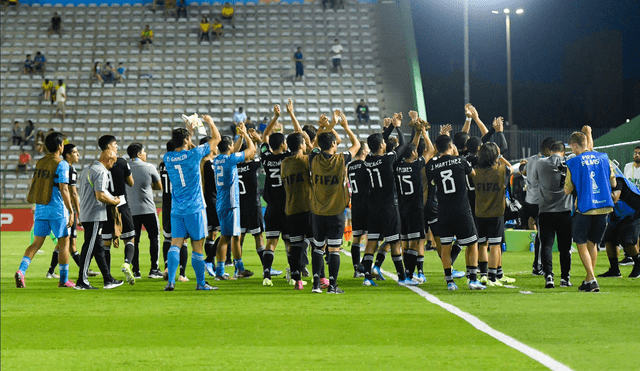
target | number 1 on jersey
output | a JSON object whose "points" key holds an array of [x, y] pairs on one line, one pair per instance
{"points": [[371, 177]]}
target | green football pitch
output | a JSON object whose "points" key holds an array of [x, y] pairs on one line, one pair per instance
{"points": [[246, 326]]}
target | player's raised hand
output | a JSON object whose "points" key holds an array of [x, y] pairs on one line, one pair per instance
{"points": [[586, 129], [387, 122], [498, 124], [468, 110], [336, 115], [241, 130], [343, 120], [276, 110], [396, 120], [445, 129], [290, 105], [414, 116], [208, 119]]}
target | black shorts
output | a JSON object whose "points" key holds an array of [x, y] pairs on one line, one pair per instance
{"points": [[299, 227], [166, 222], [412, 225], [213, 223], [588, 228], [251, 220], [275, 223], [336, 62], [128, 229], [383, 223], [622, 232], [491, 229], [434, 227], [359, 217], [462, 227], [327, 230], [528, 211]]}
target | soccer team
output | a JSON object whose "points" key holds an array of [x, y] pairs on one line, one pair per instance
{"points": [[396, 193]]}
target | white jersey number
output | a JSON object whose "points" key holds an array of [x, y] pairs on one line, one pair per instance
{"points": [[371, 177], [352, 181], [405, 179], [448, 183], [179, 168], [275, 174]]}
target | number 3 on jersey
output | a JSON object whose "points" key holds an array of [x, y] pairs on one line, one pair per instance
{"points": [[275, 174], [448, 183]]}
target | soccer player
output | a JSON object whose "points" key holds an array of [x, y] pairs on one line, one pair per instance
{"points": [[93, 212], [384, 217], [118, 176], [213, 224], [228, 201], [54, 211], [272, 152], [143, 209], [297, 186], [166, 222], [71, 155], [360, 185], [591, 176], [329, 198], [490, 176], [555, 213], [449, 172], [188, 217]]}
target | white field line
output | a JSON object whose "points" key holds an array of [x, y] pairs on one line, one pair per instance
{"points": [[474, 321]]}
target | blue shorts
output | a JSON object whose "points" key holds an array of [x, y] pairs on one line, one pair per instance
{"points": [[229, 222], [193, 226], [42, 227]]}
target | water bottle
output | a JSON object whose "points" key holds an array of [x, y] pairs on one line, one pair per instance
{"points": [[504, 247], [532, 246]]}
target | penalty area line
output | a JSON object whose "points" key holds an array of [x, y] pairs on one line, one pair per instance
{"points": [[474, 321]]}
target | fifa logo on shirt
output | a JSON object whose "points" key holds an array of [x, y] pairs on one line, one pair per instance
{"points": [[594, 186]]}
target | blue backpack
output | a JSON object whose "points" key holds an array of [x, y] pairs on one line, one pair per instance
{"points": [[621, 208]]}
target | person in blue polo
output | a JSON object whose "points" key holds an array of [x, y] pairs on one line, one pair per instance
{"points": [[591, 177]]}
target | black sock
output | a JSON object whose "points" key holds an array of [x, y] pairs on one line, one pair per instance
{"points": [[447, 275], [613, 262], [317, 264], [484, 268], [367, 263], [166, 245], [76, 258], [355, 256], [128, 252], [382, 254], [410, 261], [208, 250], [107, 258], [294, 262], [636, 260], [260, 251], [267, 259], [455, 251], [54, 262], [326, 259], [334, 267], [473, 273], [183, 259], [397, 261], [492, 274], [420, 264], [499, 273]]}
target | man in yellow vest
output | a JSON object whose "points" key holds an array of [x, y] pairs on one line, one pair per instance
{"points": [[146, 37]]}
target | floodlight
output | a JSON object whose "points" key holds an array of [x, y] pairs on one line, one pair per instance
{"points": [[519, 11], [495, 12], [506, 11]]}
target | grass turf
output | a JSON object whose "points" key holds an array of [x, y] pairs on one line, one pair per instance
{"points": [[248, 326]]}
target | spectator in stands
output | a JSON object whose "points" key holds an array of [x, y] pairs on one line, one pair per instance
{"points": [[204, 29], [47, 88], [216, 28], [23, 161], [263, 125], [16, 134], [29, 133], [632, 169], [362, 110], [181, 9], [96, 73], [120, 76], [248, 124], [12, 3], [61, 98], [239, 116], [336, 55], [28, 65], [227, 14], [55, 24], [146, 37], [39, 62], [331, 2], [297, 58], [39, 148], [108, 73]]}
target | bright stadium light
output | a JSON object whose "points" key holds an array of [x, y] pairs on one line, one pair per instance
{"points": [[495, 12], [506, 10], [519, 11]]}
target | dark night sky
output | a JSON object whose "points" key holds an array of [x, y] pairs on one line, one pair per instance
{"points": [[539, 37]]}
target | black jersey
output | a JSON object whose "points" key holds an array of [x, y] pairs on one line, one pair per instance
{"points": [[360, 185], [248, 183], [273, 189], [449, 174], [117, 175], [382, 179], [166, 187], [73, 176], [431, 205], [471, 188], [409, 184], [209, 184]]}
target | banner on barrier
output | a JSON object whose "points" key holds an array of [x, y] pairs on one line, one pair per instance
{"points": [[16, 220]]}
